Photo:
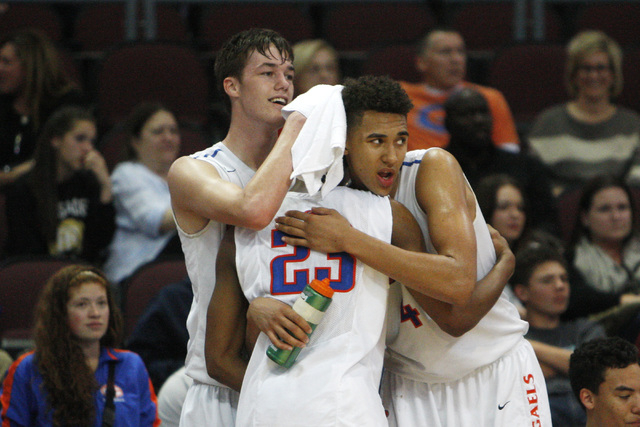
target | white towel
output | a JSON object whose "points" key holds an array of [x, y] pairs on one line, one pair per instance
{"points": [[318, 150]]}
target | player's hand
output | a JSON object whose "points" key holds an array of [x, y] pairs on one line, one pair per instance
{"points": [[284, 327], [501, 246], [322, 230]]}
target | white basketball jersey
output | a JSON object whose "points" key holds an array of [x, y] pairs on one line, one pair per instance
{"points": [[335, 379], [416, 346], [200, 252]]}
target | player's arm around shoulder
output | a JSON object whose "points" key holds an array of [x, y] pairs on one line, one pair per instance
{"points": [[443, 194]]}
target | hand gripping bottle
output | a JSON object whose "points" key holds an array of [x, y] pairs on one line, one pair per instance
{"points": [[311, 305]]}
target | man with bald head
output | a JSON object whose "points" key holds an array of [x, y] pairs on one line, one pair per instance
{"points": [[442, 62]]}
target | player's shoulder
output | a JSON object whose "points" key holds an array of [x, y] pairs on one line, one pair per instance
{"points": [[438, 156]]}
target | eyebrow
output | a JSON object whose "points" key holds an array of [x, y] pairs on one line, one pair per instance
{"points": [[624, 388], [274, 65], [383, 135]]}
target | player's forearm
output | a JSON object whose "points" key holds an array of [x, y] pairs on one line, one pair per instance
{"points": [[440, 277], [486, 292], [227, 369], [264, 193], [456, 320]]}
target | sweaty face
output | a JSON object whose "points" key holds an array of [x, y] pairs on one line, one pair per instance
{"points": [[609, 219], [548, 290], [74, 145], [594, 76], [443, 63], [11, 70], [323, 69], [509, 217], [265, 87], [375, 150], [159, 140], [88, 312], [617, 403]]}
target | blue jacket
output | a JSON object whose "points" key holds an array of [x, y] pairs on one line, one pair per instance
{"points": [[25, 404]]}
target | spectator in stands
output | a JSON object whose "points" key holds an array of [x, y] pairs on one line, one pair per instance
{"points": [[469, 122], [605, 248], [316, 62], [589, 135], [75, 376], [145, 228], [33, 85], [63, 207], [541, 282], [605, 377], [503, 205], [160, 336], [442, 62]]}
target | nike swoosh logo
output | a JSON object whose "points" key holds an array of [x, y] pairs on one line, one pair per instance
{"points": [[501, 407]]}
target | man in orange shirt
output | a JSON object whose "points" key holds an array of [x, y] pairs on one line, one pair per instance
{"points": [[442, 61]]}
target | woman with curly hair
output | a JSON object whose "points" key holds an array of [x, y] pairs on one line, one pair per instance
{"points": [[75, 376]]}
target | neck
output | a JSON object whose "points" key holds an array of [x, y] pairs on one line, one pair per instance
{"points": [[91, 353], [470, 155], [542, 320], [62, 173], [439, 89], [592, 110], [251, 142], [613, 249]]}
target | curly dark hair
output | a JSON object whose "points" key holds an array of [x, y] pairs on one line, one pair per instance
{"points": [[373, 93], [589, 362], [232, 57], [67, 379]]}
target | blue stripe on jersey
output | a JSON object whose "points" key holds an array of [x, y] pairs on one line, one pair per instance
{"points": [[212, 155], [411, 163]]}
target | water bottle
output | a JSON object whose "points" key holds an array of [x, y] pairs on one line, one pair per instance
{"points": [[311, 305]]}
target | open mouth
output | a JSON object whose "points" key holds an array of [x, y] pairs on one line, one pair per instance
{"points": [[386, 177], [279, 101]]}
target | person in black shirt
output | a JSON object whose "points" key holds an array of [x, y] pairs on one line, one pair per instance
{"points": [[64, 206]]}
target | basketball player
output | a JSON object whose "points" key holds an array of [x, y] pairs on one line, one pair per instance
{"points": [[254, 69]]}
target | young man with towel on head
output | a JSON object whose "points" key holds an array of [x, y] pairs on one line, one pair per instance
{"points": [[335, 379], [217, 186]]}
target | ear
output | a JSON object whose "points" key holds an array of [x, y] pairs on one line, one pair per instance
{"points": [[522, 292], [231, 87], [588, 399]]}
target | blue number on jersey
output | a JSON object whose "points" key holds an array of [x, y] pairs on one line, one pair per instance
{"points": [[409, 313], [343, 283]]}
